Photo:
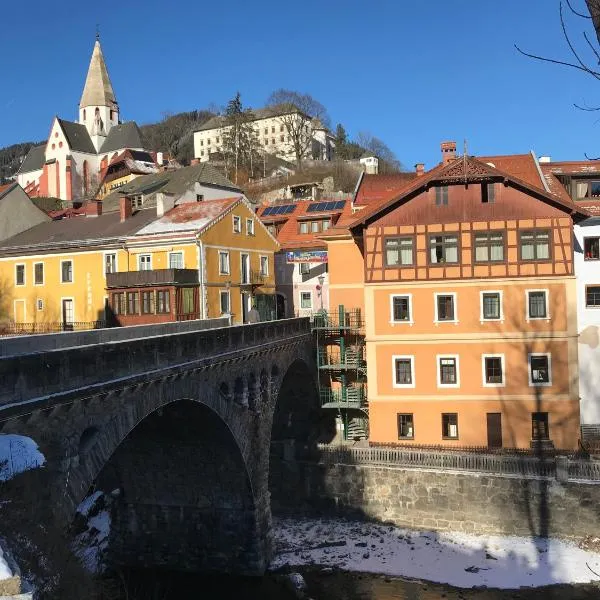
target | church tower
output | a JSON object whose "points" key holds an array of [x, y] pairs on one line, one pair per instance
{"points": [[98, 108]]}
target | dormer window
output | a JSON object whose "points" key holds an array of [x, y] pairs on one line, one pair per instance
{"points": [[583, 190], [441, 195]]}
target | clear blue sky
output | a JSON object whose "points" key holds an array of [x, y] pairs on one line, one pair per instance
{"points": [[411, 72]]}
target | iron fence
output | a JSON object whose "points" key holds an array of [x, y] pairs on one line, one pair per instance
{"points": [[8, 329]]}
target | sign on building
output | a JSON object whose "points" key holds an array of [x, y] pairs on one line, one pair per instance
{"points": [[304, 256]]}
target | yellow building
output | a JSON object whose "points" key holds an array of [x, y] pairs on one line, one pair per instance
{"points": [[64, 274]]}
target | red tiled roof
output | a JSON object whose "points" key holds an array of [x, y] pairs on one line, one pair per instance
{"points": [[3, 188], [374, 188], [288, 237], [573, 166], [521, 166]]}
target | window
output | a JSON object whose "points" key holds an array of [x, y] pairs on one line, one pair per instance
{"points": [[118, 303], [147, 303], [445, 307], [491, 306], [537, 304], [592, 296], [401, 309], [145, 262], [66, 271], [272, 128], [591, 248], [488, 193], [281, 127], [250, 226], [399, 251], [237, 224], [264, 265], [223, 263], [539, 370], [201, 152], [208, 142], [305, 300], [110, 263], [187, 301], [303, 227], [133, 301], [163, 301], [535, 245], [450, 426], [202, 142], [586, 189], [441, 195], [199, 197], [266, 131], [326, 224], [40, 304], [406, 429], [38, 273], [224, 302], [489, 246], [216, 140], [272, 140], [176, 260], [448, 371], [315, 226], [19, 274], [404, 371], [539, 426], [304, 268], [443, 249], [493, 370]]}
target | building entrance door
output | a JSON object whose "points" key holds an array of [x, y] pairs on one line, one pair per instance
{"points": [[494, 430]]}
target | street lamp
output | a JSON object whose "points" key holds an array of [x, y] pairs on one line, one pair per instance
{"points": [[321, 280]]}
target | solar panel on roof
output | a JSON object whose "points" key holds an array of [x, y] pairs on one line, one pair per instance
{"points": [[321, 206], [285, 209]]}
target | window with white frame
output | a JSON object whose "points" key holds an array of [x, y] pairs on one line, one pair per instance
{"points": [[491, 306], [448, 371], [401, 308], [445, 307], [404, 371], [592, 296], [223, 263], [540, 373], [492, 366], [38, 273], [537, 304], [66, 271], [110, 262], [145, 262], [225, 302], [19, 274], [305, 300], [250, 226], [237, 224], [264, 265], [176, 260], [304, 268]]}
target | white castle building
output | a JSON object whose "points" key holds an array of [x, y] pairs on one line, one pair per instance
{"points": [[70, 164]]}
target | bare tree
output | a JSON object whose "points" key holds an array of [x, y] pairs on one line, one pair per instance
{"points": [[298, 113], [389, 163]]}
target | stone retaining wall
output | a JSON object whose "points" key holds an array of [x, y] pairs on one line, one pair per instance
{"points": [[438, 500]]}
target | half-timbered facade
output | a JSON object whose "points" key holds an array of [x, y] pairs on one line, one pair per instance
{"points": [[468, 291]]}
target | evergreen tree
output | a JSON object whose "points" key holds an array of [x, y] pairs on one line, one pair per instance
{"points": [[341, 137], [240, 143]]}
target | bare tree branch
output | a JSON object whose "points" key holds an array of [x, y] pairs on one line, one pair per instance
{"points": [[557, 62], [572, 48], [576, 12]]}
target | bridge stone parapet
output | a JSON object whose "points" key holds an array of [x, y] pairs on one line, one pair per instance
{"points": [[180, 424]]}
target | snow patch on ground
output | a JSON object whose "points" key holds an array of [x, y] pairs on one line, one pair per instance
{"points": [[5, 572], [458, 559], [92, 541], [17, 454]]}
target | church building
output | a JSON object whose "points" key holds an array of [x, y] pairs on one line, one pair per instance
{"points": [[71, 164]]}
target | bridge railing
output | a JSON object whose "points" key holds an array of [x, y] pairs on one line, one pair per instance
{"points": [[560, 467], [39, 373]]}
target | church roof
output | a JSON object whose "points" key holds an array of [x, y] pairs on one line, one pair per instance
{"points": [[98, 90], [77, 136], [125, 135], [34, 161]]}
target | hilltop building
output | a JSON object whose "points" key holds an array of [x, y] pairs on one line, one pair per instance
{"points": [[70, 164]]}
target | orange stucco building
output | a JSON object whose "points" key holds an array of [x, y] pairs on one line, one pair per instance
{"points": [[465, 280]]}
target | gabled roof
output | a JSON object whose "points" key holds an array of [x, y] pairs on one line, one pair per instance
{"points": [[523, 166], [35, 159], [375, 188], [124, 135], [77, 136], [97, 90], [462, 170]]}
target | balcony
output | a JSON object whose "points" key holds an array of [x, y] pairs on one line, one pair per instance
{"points": [[344, 397], [351, 358], [155, 277], [253, 279], [338, 320]]}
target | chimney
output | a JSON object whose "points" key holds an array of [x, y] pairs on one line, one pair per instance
{"points": [[545, 159], [93, 208], [420, 169], [194, 161], [448, 152], [159, 159], [125, 208]]}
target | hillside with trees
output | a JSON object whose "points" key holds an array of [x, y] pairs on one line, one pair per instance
{"points": [[11, 158]]}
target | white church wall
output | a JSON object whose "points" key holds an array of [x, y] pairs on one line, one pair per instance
{"points": [[24, 179]]}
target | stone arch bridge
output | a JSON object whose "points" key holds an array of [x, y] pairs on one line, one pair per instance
{"points": [[179, 419]]}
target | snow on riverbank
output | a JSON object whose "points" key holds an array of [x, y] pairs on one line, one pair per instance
{"points": [[94, 527], [5, 572], [457, 559], [17, 454]]}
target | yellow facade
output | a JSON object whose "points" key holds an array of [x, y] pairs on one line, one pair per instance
{"points": [[115, 184], [84, 293]]}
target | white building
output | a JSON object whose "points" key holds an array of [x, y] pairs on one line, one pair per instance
{"points": [[272, 135], [70, 163]]}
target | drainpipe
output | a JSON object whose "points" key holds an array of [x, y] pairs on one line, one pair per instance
{"points": [[201, 265]]}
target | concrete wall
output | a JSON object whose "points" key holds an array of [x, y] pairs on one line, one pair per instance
{"points": [[437, 500]]}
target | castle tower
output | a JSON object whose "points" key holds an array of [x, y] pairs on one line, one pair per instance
{"points": [[98, 108]]}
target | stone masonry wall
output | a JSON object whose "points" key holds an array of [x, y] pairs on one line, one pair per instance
{"points": [[437, 500]]}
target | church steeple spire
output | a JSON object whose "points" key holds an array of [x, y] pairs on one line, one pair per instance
{"points": [[98, 108]]}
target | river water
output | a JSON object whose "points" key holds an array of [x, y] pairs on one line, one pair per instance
{"points": [[326, 585]]}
